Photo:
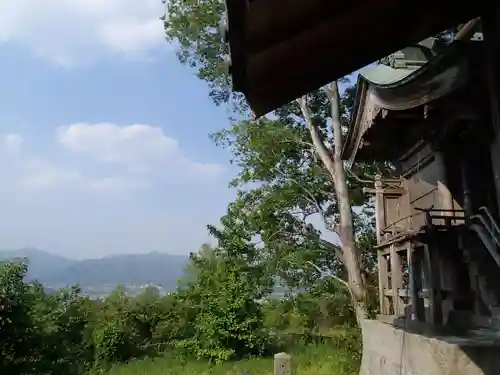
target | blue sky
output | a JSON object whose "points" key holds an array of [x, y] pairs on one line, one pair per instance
{"points": [[103, 134], [104, 144]]}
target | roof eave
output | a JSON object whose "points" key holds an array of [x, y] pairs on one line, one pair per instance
{"points": [[235, 36], [441, 76], [351, 146], [267, 82]]}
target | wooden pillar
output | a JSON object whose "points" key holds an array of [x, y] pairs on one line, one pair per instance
{"points": [[418, 283], [383, 272], [383, 282], [396, 281], [466, 191], [431, 270], [448, 284], [491, 34], [442, 185], [413, 292], [379, 207], [474, 285]]}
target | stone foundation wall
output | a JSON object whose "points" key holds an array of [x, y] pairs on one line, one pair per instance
{"points": [[388, 350]]}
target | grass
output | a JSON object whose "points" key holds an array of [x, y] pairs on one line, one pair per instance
{"points": [[314, 359]]}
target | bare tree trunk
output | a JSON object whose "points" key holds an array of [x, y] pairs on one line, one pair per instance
{"points": [[335, 167]]}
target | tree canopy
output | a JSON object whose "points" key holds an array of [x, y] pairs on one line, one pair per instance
{"points": [[287, 200]]}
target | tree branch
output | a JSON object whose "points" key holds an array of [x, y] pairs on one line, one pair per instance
{"points": [[359, 179], [311, 197], [347, 236], [319, 146], [327, 244], [331, 246], [298, 141], [332, 92], [343, 282]]}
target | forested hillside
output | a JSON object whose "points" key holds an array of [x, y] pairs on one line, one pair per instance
{"points": [[223, 309], [135, 269]]}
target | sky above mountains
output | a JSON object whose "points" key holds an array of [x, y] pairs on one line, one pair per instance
{"points": [[103, 134]]}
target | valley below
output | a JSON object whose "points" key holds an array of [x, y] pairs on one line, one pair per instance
{"points": [[100, 276]]}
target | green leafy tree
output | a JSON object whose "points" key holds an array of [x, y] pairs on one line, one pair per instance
{"points": [[294, 186], [228, 321], [195, 27], [294, 156], [117, 335], [18, 337], [175, 321], [63, 322]]}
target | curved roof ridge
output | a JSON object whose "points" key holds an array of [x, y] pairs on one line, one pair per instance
{"points": [[441, 75]]}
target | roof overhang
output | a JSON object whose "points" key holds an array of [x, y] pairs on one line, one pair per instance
{"points": [[283, 49], [387, 116]]}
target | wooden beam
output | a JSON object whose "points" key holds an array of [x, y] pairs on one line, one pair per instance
{"points": [[271, 80], [413, 291], [379, 208], [432, 285], [403, 293], [386, 191], [384, 246], [270, 22], [396, 281], [418, 260], [491, 33], [383, 284]]}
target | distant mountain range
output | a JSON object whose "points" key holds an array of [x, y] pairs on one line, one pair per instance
{"points": [[137, 269]]}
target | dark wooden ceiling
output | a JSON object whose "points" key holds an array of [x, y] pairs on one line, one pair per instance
{"points": [[282, 49]]}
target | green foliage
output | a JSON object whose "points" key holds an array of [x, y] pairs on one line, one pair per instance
{"points": [[222, 311], [224, 293], [315, 359], [62, 321], [41, 333], [308, 312], [194, 27], [284, 188], [15, 320], [277, 155]]}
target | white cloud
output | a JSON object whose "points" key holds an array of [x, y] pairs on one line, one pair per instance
{"points": [[69, 32], [116, 185], [207, 171], [42, 174], [140, 147], [12, 142], [76, 204], [111, 143], [105, 158]]}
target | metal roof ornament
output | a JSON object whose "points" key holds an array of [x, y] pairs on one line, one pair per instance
{"points": [[412, 56]]}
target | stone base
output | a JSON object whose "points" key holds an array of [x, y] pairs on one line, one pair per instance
{"points": [[389, 350]]}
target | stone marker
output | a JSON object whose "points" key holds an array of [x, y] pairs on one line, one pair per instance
{"points": [[282, 364]]}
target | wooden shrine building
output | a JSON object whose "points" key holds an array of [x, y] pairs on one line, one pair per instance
{"points": [[427, 112], [432, 112]]}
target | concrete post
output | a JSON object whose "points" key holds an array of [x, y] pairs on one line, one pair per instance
{"points": [[282, 364]]}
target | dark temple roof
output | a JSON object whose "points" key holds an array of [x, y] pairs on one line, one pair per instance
{"points": [[282, 49], [389, 115]]}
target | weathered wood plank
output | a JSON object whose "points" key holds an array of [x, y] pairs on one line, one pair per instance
{"points": [[396, 280], [383, 283]]}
